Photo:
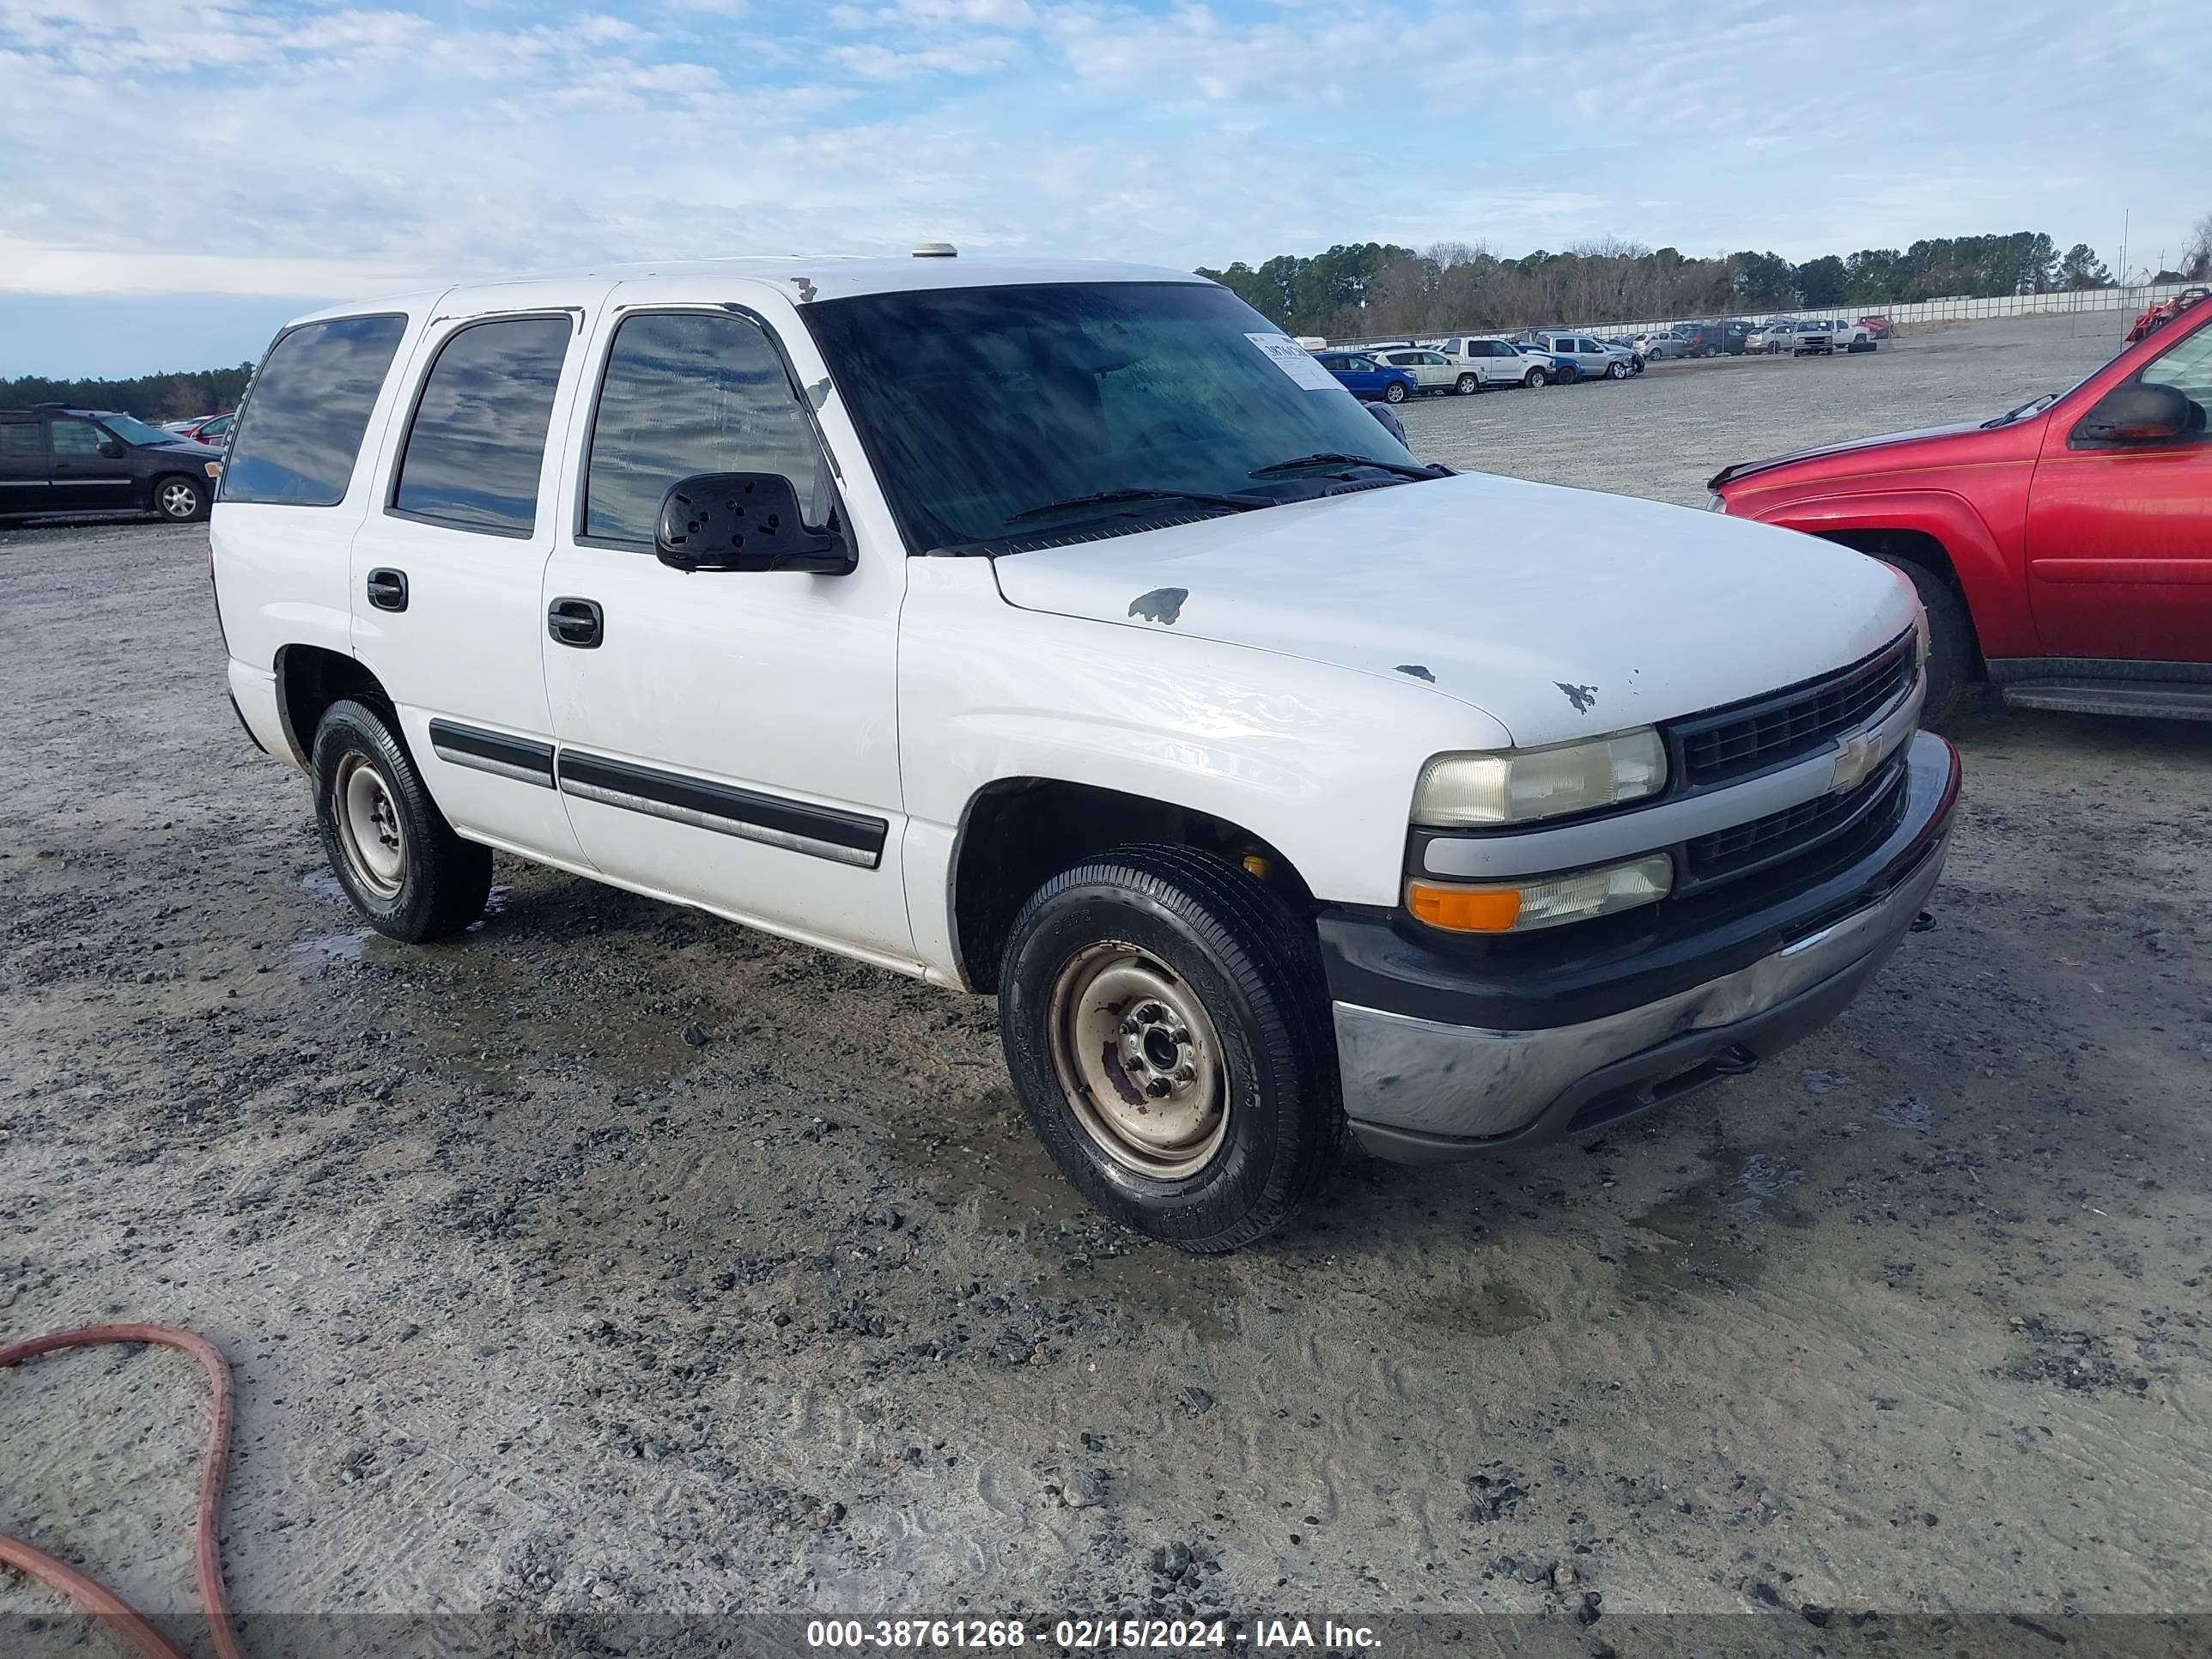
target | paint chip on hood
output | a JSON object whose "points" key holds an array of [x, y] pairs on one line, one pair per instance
{"points": [[1162, 605], [1581, 695]]}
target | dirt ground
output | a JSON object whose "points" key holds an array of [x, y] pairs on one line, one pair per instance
{"points": [[613, 1258]]}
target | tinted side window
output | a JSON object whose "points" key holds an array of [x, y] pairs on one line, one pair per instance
{"points": [[21, 440], [476, 443], [300, 432], [76, 438], [687, 393]]}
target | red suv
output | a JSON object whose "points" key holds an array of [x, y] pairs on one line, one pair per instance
{"points": [[2063, 550]]}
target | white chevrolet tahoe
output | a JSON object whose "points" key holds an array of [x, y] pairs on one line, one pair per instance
{"points": [[1066, 632]]}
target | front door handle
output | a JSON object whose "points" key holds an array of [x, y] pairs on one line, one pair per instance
{"points": [[580, 623], [387, 589]]}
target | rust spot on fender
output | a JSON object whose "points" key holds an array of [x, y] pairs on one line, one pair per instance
{"points": [[1581, 695], [1162, 605]]}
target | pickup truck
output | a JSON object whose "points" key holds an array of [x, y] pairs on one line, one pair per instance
{"points": [[1066, 633], [2062, 550]]}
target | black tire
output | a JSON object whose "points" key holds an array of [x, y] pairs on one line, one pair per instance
{"points": [[1616, 371], [180, 498], [440, 882], [1536, 377], [1219, 942], [1954, 659], [1468, 384], [1395, 392]]}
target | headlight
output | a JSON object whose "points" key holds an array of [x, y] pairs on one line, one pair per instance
{"points": [[1920, 637], [1542, 902], [1513, 785]]}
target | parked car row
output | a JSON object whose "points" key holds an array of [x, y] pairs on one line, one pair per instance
{"points": [[1818, 338], [1462, 364]]}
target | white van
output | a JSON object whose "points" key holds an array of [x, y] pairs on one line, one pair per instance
{"points": [[1066, 632]]}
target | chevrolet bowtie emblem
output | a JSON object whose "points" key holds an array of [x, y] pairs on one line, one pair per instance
{"points": [[1859, 756]]}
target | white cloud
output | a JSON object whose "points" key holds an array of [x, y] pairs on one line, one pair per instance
{"points": [[979, 56], [341, 149]]}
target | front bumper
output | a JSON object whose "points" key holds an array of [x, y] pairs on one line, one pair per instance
{"points": [[1423, 1089]]}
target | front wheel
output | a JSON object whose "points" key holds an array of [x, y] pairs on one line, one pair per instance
{"points": [[180, 500], [1953, 661], [1395, 392], [1468, 384], [1537, 377], [1616, 371], [399, 861], [1167, 1026]]}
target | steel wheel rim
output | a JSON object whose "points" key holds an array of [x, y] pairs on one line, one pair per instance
{"points": [[370, 833], [179, 500], [1139, 1061]]}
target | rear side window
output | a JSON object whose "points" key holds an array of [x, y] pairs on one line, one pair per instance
{"points": [[20, 441], [300, 433], [687, 393], [476, 444]]}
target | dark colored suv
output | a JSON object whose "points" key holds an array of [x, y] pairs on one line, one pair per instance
{"points": [[55, 460]]}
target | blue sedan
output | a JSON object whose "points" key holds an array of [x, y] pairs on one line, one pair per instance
{"points": [[1365, 377]]}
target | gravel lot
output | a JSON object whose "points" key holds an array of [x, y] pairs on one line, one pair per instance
{"points": [[538, 1302], [1665, 432]]}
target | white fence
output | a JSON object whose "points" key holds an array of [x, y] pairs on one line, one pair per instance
{"points": [[1958, 310]]}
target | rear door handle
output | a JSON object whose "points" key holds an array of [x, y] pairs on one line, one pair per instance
{"points": [[580, 623], [387, 589]]}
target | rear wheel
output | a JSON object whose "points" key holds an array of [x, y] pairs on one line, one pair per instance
{"points": [[390, 847], [1167, 1026], [1468, 384], [1954, 661]]}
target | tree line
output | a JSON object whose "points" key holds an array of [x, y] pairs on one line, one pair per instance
{"points": [[1378, 288], [150, 396]]}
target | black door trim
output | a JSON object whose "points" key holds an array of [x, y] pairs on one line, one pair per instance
{"points": [[823, 832], [493, 752]]}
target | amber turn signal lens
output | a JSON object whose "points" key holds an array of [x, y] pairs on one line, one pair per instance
{"points": [[1465, 909]]}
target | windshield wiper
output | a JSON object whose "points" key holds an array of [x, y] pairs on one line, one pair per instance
{"points": [[1328, 458], [1113, 497], [2032, 406]]}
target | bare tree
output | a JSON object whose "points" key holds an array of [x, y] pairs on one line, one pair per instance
{"points": [[2196, 258]]}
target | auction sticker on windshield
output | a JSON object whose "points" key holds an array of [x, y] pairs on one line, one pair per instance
{"points": [[1295, 361]]}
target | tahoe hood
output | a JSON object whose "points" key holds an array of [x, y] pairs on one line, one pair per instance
{"points": [[1561, 613]]}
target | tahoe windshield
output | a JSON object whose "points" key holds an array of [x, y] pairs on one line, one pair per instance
{"points": [[987, 411]]}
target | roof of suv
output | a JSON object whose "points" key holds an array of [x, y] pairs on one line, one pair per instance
{"points": [[830, 277]]}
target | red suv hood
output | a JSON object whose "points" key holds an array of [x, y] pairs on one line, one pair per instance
{"points": [[1729, 475]]}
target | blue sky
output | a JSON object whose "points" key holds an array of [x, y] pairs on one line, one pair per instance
{"points": [[177, 176]]}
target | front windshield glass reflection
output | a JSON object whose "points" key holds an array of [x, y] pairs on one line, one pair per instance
{"points": [[980, 405]]}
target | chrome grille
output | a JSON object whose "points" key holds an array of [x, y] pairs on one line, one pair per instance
{"points": [[1749, 737], [1743, 848]]}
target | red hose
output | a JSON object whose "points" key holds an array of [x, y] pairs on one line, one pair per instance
{"points": [[126, 1620]]}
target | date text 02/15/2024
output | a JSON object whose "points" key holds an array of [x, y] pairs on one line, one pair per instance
{"points": [[1088, 1635]]}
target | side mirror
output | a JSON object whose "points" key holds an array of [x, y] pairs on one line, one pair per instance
{"points": [[111, 448], [744, 521], [2139, 414]]}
